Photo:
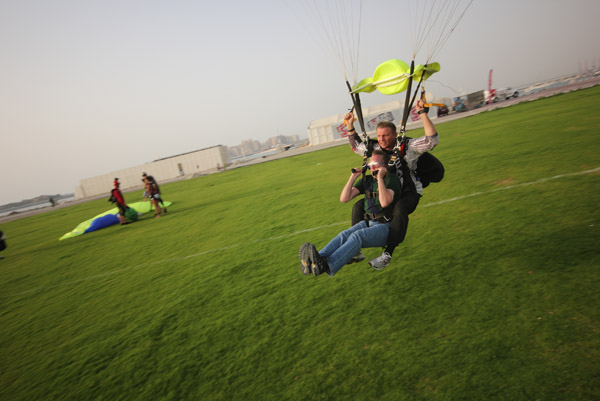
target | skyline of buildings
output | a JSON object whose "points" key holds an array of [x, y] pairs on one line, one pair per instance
{"points": [[252, 146]]}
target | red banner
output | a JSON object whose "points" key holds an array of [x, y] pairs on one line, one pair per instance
{"points": [[490, 87], [342, 130], [414, 116]]}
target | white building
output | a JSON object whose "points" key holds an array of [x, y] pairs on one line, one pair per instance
{"points": [[167, 169], [332, 128]]}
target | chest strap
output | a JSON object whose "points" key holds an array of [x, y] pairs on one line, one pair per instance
{"points": [[383, 217]]}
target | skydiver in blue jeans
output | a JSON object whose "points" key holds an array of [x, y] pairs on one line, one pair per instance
{"points": [[381, 190]]}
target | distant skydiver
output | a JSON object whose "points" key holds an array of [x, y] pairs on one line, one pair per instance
{"points": [[117, 197], [153, 192], [382, 189], [404, 157], [2, 242]]}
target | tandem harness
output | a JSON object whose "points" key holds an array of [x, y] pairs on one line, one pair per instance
{"points": [[377, 213], [408, 185]]}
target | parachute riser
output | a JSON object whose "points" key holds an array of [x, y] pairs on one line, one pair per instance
{"points": [[358, 108], [359, 115], [417, 91], [407, 103]]}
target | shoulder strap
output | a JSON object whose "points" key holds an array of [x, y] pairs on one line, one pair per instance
{"points": [[368, 186], [371, 203], [408, 184]]}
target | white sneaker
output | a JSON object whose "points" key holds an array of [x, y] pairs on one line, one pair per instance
{"points": [[381, 262]]}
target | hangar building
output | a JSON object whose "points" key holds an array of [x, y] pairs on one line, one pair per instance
{"points": [[166, 169], [332, 128]]}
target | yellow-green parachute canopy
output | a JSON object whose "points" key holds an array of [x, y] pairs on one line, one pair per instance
{"points": [[391, 77]]}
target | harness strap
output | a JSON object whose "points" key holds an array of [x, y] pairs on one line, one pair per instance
{"points": [[408, 185], [370, 199], [382, 217]]}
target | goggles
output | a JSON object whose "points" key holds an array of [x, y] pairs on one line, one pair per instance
{"points": [[371, 164]]}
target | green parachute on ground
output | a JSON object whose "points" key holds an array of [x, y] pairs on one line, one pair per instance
{"points": [[110, 217]]}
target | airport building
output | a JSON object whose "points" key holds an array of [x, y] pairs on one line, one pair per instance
{"points": [[332, 128], [204, 161], [167, 169]]}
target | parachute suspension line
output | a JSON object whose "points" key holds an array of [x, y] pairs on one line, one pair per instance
{"points": [[429, 25], [438, 26], [325, 40], [349, 28], [418, 33], [335, 21], [333, 40], [448, 29], [346, 34], [358, 44], [435, 21]]}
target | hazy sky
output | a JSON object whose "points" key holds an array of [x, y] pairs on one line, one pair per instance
{"points": [[88, 87]]}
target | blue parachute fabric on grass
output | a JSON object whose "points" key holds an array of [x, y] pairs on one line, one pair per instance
{"points": [[102, 222], [137, 209]]}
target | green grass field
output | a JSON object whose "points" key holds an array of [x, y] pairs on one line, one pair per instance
{"points": [[493, 295]]}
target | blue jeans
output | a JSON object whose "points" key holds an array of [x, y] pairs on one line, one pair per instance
{"points": [[349, 242]]}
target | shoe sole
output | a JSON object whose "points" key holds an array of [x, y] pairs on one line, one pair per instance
{"points": [[378, 268], [356, 260], [312, 252], [305, 261]]}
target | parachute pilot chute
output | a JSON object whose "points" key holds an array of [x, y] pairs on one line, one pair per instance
{"points": [[392, 77]]}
